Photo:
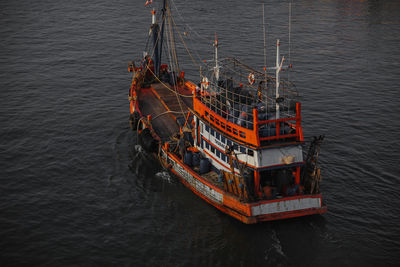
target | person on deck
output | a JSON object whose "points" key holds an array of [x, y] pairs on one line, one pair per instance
{"points": [[181, 145]]}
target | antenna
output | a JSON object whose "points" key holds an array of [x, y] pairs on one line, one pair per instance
{"points": [[277, 70], [265, 45], [290, 26], [265, 62], [216, 68]]}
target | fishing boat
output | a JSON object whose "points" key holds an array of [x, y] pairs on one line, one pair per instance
{"points": [[234, 137]]}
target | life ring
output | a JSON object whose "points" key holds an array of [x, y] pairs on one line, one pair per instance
{"points": [[204, 83], [251, 78]]}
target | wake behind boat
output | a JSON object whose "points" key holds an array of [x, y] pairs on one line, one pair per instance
{"points": [[234, 138]]}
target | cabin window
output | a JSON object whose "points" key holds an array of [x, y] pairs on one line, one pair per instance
{"points": [[207, 128], [207, 145], [211, 117], [229, 143], [216, 121], [250, 152], [212, 149], [202, 143], [222, 125], [206, 113], [217, 135], [242, 150], [224, 157], [223, 139], [212, 131], [218, 153], [235, 147], [228, 128], [242, 134]]}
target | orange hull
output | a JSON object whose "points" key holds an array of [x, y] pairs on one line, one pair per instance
{"points": [[249, 213]]}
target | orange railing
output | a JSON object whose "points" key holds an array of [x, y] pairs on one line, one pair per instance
{"points": [[252, 136], [293, 123]]}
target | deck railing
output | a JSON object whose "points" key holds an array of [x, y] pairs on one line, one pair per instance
{"points": [[256, 131], [279, 128]]}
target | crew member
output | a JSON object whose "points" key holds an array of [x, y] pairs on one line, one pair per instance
{"points": [[181, 145]]}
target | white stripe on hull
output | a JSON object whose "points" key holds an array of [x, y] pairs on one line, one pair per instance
{"points": [[202, 188], [286, 205]]}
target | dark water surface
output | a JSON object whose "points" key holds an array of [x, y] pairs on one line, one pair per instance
{"points": [[74, 193]]}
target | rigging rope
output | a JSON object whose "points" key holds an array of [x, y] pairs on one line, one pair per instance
{"points": [[168, 112], [167, 86], [172, 50], [183, 42], [179, 14]]}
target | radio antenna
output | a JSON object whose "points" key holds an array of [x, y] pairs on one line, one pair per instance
{"points": [[290, 27], [265, 61]]}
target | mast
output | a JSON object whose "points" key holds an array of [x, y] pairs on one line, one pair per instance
{"points": [[162, 33], [156, 51], [265, 62], [290, 26], [278, 68], [216, 68]]}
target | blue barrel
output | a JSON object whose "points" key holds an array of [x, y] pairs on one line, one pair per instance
{"points": [[236, 110], [187, 158], [204, 165], [284, 129], [244, 108], [262, 116], [261, 108], [272, 131], [196, 159], [188, 137], [263, 132], [220, 177]]}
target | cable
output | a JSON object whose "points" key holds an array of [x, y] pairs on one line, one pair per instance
{"points": [[168, 112]]}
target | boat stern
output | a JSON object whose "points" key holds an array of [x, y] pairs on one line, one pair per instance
{"points": [[289, 207]]}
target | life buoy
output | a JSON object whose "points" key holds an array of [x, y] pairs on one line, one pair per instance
{"points": [[204, 83], [251, 78]]}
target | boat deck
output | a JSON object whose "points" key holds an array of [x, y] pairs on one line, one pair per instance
{"points": [[165, 106], [174, 102], [164, 125]]}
